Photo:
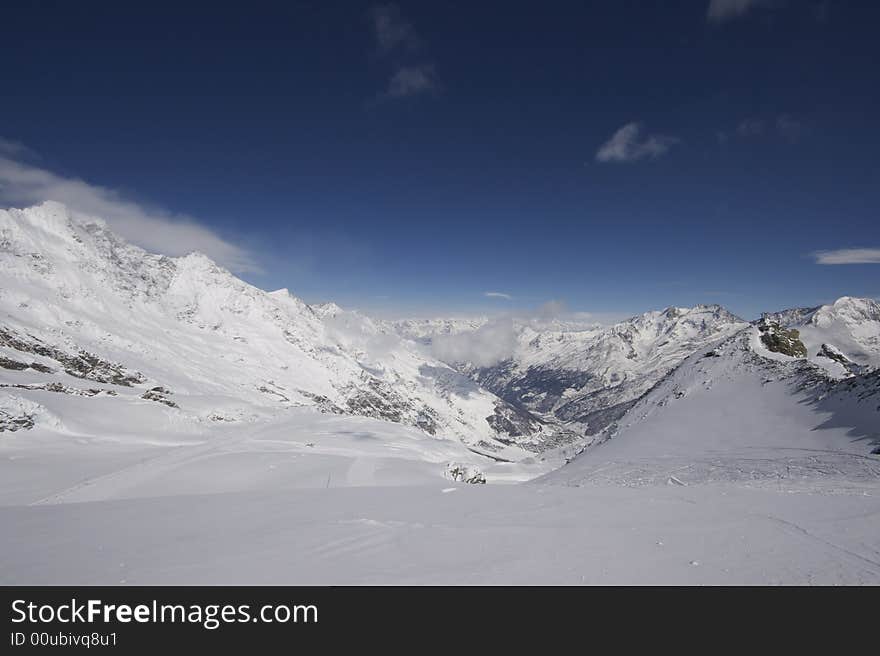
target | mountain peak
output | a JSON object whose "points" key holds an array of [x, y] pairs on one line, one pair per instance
{"points": [[869, 306], [49, 218], [326, 310], [849, 309]]}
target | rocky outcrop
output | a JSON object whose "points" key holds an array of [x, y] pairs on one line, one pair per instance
{"points": [[781, 340], [159, 395], [15, 365], [17, 414], [379, 400], [11, 423], [461, 473], [80, 365], [833, 353], [60, 388]]}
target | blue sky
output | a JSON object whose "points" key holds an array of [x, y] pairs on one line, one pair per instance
{"points": [[618, 156]]}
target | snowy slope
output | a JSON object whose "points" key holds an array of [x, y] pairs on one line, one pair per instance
{"points": [[442, 535], [181, 426], [739, 413], [278, 505], [182, 343]]}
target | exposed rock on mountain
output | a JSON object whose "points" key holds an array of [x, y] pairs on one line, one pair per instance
{"points": [[832, 353], [781, 340], [460, 473]]}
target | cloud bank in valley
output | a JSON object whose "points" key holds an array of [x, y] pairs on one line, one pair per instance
{"points": [[487, 345], [498, 339]]}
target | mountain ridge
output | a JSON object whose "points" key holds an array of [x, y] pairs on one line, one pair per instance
{"points": [[202, 346], [189, 325], [739, 413]]}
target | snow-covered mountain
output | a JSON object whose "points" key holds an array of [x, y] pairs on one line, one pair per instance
{"points": [[739, 412], [426, 330], [148, 400], [181, 346], [588, 377], [182, 341], [842, 337]]}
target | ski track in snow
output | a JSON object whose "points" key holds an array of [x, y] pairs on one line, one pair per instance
{"points": [[873, 565], [109, 485]]}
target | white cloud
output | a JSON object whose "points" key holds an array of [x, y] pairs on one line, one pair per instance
{"points": [[391, 29], [497, 340], [720, 11], [393, 33], [358, 332], [411, 80], [552, 309], [485, 346], [506, 297], [628, 145], [848, 256], [23, 184]]}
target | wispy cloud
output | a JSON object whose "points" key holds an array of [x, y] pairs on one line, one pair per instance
{"points": [[750, 127], [789, 127], [848, 256], [411, 81], [506, 297], [396, 37], [628, 145], [23, 184], [15, 149], [785, 126], [391, 30], [721, 11]]}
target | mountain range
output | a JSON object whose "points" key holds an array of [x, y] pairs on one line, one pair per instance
{"points": [[179, 425], [98, 335]]}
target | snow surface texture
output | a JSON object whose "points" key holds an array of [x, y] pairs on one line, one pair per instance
{"points": [[477, 534], [181, 426]]}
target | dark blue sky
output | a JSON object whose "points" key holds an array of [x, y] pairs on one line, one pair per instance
{"points": [[413, 158]]}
